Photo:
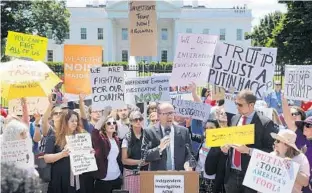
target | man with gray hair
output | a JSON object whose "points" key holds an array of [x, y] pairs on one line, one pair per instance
{"points": [[167, 146]]}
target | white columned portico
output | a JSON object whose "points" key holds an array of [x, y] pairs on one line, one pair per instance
{"points": [[109, 50], [176, 30]]}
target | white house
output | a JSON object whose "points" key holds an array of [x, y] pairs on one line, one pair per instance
{"points": [[107, 25]]}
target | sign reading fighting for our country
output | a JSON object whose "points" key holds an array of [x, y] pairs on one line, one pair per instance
{"points": [[78, 59], [243, 68], [193, 57], [240, 135], [26, 45], [18, 152], [298, 82], [194, 110], [269, 173], [107, 87], [143, 28], [34, 105], [168, 183], [81, 158], [140, 90]]}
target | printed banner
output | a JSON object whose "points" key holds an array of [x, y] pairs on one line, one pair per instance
{"points": [[34, 105], [240, 135], [243, 68], [81, 158], [298, 82], [194, 110], [193, 58], [140, 90], [269, 173], [78, 59], [26, 45], [168, 183], [18, 152], [143, 28], [108, 87]]}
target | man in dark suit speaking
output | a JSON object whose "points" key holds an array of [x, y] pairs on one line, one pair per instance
{"points": [[166, 145]]}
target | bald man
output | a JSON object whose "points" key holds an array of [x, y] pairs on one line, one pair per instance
{"points": [[166, 143]]}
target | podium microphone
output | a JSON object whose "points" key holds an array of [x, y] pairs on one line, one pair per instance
{"points": [[192, 160], [136, 172]]}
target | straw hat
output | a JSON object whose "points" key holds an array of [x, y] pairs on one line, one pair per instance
{"points": [[286, 136]]}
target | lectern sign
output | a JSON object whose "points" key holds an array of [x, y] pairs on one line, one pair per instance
{"points": [[169, 183]]}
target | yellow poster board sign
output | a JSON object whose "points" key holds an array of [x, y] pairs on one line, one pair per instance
{"points": [[26, 45], [240, 135]]}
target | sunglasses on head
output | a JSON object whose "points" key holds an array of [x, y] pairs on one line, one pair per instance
{"points": [[308, 125], [137, 119], [111, 123], [295, 114]]}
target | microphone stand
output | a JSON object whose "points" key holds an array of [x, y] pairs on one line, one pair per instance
{"points": [[137, 171], [192, 160]]}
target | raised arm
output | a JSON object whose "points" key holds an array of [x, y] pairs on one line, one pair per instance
{"points": [[25, 116], [45, 117], [192, 88], [37, 134], [287, 115], [83, 113]]}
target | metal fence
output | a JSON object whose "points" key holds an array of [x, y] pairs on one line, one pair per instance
{"points": [[146, 70]]}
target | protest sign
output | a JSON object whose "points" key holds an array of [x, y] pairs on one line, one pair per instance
{"points": [[108, 87], [26, 45], [229, 103], [81, 158], [147, 89], [298, 82], [243, 68], [18, 152], [217, 93], [143, 28], [268, 112], [240, 135], [194, 110], [193, 57], [34, 105], [168, 183], [78, 59], [269, 173]]}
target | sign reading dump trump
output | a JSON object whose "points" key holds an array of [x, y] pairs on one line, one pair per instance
{"points": [[241, 135], [243, 68], [140, 90], [298, 82], [269, 173], [194, 110], [193, 57], [107, 87]]}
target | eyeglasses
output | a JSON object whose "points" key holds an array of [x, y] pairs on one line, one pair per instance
{"points": [[137, 119], [110, 123], [308, 125], [168, 113], [295, 114]]}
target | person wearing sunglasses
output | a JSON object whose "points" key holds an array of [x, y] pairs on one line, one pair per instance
{"points": [[107, 154], [238, 156], [131, 153], [285, 147]]}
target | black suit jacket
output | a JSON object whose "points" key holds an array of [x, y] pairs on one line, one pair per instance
{"points": [[152, 137], [263, 140]]}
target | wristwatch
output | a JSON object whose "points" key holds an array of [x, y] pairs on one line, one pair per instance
{"points": [[37, 125]]}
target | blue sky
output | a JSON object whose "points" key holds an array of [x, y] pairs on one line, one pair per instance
{"points": [[259, 7]]}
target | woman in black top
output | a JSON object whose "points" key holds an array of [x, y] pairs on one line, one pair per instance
{"points": [[131, 153]]}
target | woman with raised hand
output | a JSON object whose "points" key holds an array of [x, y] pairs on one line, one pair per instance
{"points": [[57, 154], [107, 153]]}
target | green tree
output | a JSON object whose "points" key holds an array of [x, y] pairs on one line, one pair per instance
{"points": [[293, 35], [263, 32], [38, 17]]}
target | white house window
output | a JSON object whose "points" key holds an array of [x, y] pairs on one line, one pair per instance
{"points": [[205, 31], [100, 33], [83, 33], [222, 34], [124, 33], [67, 36], [164, 56], [239, 34], [124, 55], [189, 30], [49, 34], [50, 55], [164, 34]]}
